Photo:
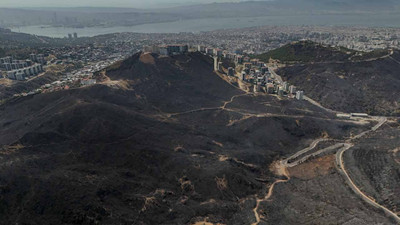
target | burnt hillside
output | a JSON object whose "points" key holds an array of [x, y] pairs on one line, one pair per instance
{"points": [[366, 86], [307, 51], [176, 83], [344, 81], [162, 140]]}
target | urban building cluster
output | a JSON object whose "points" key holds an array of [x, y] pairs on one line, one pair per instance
{"points": [[74, 79], [258, 40], [73, 36], [252, 71], [100, 50], [237, 45], [22, 69]]}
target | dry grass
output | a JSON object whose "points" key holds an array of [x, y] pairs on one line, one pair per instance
{"points": [[147, 58], [222, 183], [179, 148], [223, 158], [148, 201], [10, 149], [396, 156], [6, 82], [186, 184], [218, 143], [204, 221], [317, 167]]}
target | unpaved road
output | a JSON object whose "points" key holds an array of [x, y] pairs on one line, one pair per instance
{"points": [[357, 191]]}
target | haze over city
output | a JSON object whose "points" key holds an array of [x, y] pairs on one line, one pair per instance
{"points": [[104, 3]]}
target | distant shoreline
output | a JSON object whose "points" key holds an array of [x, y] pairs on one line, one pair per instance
{"points": [[210, 24]]}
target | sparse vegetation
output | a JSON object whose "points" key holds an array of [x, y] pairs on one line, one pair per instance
{"points": [[86, 154], [306, 51]]}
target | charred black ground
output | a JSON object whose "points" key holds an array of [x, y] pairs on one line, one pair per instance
{"points": [[162, 140], [341, 79]]}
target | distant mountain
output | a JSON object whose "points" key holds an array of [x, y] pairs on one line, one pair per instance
{"points": [[284, 7], [353, 5]]}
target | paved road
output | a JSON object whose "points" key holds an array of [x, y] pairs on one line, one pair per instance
{"points": [[309, 148], [322, 151], [319, 105], [381, 121], [276, 76]]}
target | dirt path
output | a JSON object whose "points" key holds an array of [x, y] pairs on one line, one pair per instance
{"points": [[283, 165], [223, 107], [319, 105], [395, 151], [357, 191], [280, 169]]}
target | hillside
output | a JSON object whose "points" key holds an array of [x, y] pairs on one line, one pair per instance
{"points": [[173, 84], [13, 40], [21, 45], [160, 140], [359, 84], [306, 51], [375, 165]]}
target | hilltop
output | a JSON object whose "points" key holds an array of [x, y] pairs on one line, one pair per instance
{"points": [[159, 140], [306, 51]]}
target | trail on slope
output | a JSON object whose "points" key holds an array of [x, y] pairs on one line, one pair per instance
{"points": [[280, 169], [394, 152]]}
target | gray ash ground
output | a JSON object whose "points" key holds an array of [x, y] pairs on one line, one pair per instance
{"points": [[155, 143], [374, 165]]}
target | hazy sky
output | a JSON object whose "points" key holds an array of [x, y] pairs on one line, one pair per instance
{"points": [[103, 3]]}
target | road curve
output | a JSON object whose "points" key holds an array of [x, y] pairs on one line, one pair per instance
{"points": [[319, 152], [269, 194], [370, 201], [339, 162], [312, 146], [357, 191]]}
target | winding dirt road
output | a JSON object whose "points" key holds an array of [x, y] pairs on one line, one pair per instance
{"points": [[284, 172], [356, 190], [340, 165]]}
